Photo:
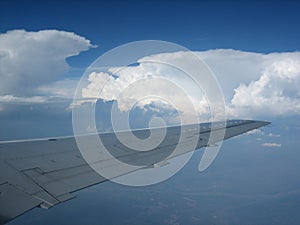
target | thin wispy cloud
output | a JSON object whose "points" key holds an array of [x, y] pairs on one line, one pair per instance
{"points": [[274, 135], [256, 132], [271, 145]]}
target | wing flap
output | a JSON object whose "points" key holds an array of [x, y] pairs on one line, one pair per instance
{"points": [[14, 202], [61, 183]]}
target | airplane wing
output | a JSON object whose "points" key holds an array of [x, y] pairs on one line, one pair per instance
{"points": [[46, 172]]}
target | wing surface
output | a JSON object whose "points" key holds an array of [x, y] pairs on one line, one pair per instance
{"points": [[45, 172]]}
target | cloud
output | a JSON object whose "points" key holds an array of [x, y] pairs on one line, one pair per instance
{"points": [[276, 92], [271, 145], [254, 84], [256, 131], [32, 66], [62, 88], [148, 87], [273, 135], [30, 100], [29, 60], [232, 67], [257, 84]]}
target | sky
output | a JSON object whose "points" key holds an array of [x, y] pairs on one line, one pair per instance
{"points": [[252, 48]]}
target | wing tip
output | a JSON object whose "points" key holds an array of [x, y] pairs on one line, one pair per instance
{"points": [[265, 123]]}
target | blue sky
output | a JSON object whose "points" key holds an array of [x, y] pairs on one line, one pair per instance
{"points": [[261, 26], [253, 50]]}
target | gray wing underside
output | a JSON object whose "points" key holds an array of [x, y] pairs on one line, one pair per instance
{"points": [[46, 172]]}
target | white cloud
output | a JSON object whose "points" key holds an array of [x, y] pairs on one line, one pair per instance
{"points": [[31, 59], [32, 65], [233, 67], [253, 83], [273, 135], [62, 88], [276, 92], [256, 131], [24, 100], [271, 145], [146, 84]]}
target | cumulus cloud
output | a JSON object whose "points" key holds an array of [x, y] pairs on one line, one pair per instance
{"points": [[267, 144], [253, 83], [32, 65], [232, 67], [29, 60], [146, 85], [276, 92]]}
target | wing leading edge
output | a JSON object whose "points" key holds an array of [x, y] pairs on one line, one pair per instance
{"points": [[43, 173]]}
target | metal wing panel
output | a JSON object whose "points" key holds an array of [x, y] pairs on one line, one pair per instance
{"points": [[46, 172], [61, 183], [237, 127], [14, 202]]}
